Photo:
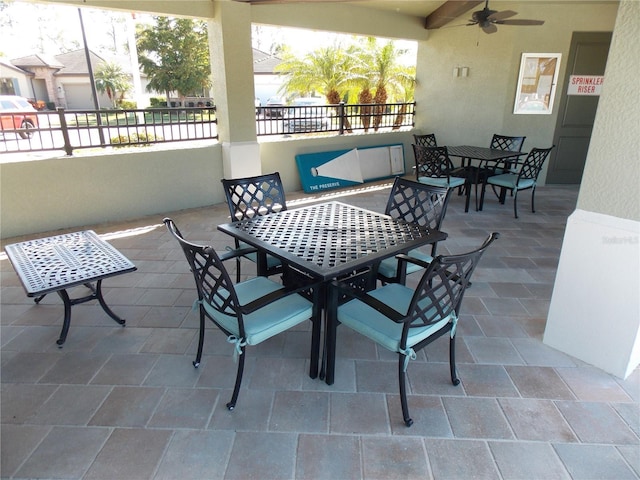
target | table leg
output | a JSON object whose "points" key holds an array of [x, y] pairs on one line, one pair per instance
{"points": [[96, 294], [67, 317], [327, 372], [315, 335]]}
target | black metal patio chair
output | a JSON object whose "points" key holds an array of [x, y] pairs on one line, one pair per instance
{"points": [[249, 312], [405, 320], [249, 197], [418, 203]]}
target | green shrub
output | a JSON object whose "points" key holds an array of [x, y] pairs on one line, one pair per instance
{"points": [[157, 102], [142, 139], [127, 104]]}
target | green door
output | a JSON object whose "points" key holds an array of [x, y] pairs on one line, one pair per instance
{"points": [[587, 56]]}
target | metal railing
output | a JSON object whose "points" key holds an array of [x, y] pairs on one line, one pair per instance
{"points": [[71, 130], [341, 118]]}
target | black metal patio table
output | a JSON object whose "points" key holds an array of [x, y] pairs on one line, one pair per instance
{"points": [[484, 156], [328, 241], [61, 262]]}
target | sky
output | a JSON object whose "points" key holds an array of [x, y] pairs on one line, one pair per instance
{"points": [[28, 28]]}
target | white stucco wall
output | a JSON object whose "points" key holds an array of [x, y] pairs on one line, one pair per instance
{"points": [[62, 192], [595, 307]]}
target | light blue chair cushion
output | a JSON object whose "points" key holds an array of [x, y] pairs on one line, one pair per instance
{"points": [[452, 182], [269, 320], [253, 256], [389, 266], [508, 180], [374, 325]]}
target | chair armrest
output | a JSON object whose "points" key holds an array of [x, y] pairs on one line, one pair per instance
{"points": [[285, 291], [402, 257], [501, 165], [383, 308], [236, 252]]}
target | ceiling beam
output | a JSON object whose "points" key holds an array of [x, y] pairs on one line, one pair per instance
{"points": [[448, 11]]}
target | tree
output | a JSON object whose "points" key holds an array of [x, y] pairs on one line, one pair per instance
{"points": [[110, 79], [387, 74], [329, 70], [174, 54]]}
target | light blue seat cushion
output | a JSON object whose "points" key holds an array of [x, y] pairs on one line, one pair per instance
{"points": [[271, 260], [269, 320], [452, 182], [389, 266], [508, 180], [372, 324]]}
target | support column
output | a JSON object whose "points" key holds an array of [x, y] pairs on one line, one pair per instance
{"points": [[595, 307], [233, 87]]}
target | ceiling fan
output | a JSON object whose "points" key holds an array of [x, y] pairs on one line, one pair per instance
{"points": [[487, 19]]}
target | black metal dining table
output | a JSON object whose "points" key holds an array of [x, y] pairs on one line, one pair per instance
{"points": [[328, 241], [485, 156], [61, 262]]}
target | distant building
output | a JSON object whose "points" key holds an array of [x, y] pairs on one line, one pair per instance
{"points": [[63, 80], [266, 81]]}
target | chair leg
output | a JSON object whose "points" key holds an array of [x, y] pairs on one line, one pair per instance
{"points": [[533, 195], [484, 187], [238, 270], [196, 362], [452, 361], [515, 202], [236, 389], [468, 189], [403, 392]]}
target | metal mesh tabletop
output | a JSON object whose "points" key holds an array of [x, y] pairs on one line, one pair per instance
{"points": [[481, 153], [63, 261], [331, 238]]}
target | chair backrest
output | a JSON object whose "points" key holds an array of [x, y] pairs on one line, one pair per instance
{"points": [[532, 165], [418, 203], [426, 140], [254, 196], [503, 142], [432, 161], [213, 282], [441, 288]]}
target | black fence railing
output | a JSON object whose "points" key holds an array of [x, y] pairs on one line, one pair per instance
{"points": [[341, 118], [69, 130], [73, 129]]}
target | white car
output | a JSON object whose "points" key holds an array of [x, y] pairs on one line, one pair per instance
{"points": [[309, 114], [274, 108]]}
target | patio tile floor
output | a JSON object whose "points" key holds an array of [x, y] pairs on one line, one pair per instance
{"points": [[125, 403]]}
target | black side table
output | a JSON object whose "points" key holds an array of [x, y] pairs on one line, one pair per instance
{"points": [[55, 264]]}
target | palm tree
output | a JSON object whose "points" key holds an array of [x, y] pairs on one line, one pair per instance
{"points": [[112, 80], [327, 70], [390, 75], [408, 83], [365, 80]]}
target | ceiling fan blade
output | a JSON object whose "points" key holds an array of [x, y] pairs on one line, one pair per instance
{"points": [[521, 22], [502, 15], [491, 28]]}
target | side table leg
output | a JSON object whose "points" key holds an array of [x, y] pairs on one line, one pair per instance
{"points": [[104, 306], [67, 317]]}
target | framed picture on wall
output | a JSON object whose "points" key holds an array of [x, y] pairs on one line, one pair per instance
{"points": [[537, 83]]}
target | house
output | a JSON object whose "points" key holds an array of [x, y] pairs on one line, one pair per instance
{"points": [[266, 81], [63, 80], [15, 81]]}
